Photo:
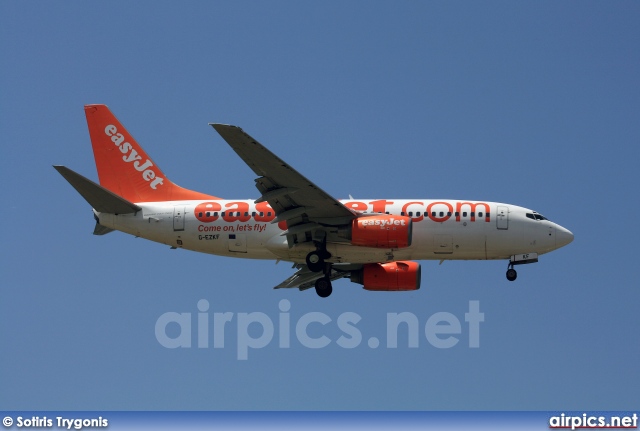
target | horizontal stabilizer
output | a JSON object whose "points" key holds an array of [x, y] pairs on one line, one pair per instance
{"points": [[101, 199], [101, 230]]}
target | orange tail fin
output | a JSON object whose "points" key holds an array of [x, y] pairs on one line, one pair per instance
{"points": [[124, 167]]}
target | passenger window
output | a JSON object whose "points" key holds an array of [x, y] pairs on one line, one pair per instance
{"points": [[433, 213], [441, 214], [200, 214], [208, 214], [418, 214], [464, 214], [480, 214], [448, 213], [222, 213], [473, 214]]}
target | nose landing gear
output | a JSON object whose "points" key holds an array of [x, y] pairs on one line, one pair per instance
{"points": [[519, 259], [512, 274]]}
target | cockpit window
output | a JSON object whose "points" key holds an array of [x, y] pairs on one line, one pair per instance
{"points": [[536, 216]]}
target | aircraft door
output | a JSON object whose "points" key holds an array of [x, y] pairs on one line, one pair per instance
{"points": [[238, 242], [502, 219], [178, 218], [442, 244]]}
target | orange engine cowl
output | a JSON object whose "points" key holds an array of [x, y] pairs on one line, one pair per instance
{"points": [[382, 231], [391, 276]]}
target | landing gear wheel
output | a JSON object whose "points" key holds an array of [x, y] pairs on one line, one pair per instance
{"points": [[323, 287], [315, 262], [511, 274]]}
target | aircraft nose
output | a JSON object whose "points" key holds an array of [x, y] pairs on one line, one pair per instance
{"points": [[563, 236]]}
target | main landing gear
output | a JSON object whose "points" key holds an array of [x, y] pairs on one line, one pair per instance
{"points": [[316, 262], [315, 259], [323, 287]]}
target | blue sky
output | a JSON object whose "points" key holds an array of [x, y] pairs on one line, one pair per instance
{"points": [[530, 103]]}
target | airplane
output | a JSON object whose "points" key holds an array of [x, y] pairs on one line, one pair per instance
{"points": [[373, 242]]}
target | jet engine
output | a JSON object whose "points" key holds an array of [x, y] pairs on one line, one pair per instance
{"points": [[380, 231], [393, 276]]}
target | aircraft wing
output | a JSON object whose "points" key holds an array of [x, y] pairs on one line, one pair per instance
{"points": [[304, 205]]}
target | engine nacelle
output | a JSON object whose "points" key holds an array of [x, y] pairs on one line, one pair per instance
{"points": [[381, 231], [393, 276]]}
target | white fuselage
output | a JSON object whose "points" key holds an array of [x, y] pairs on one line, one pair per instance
{"points": [[442, 230]]}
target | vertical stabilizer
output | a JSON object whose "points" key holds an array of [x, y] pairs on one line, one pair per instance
{"points": [[124, 167]]}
